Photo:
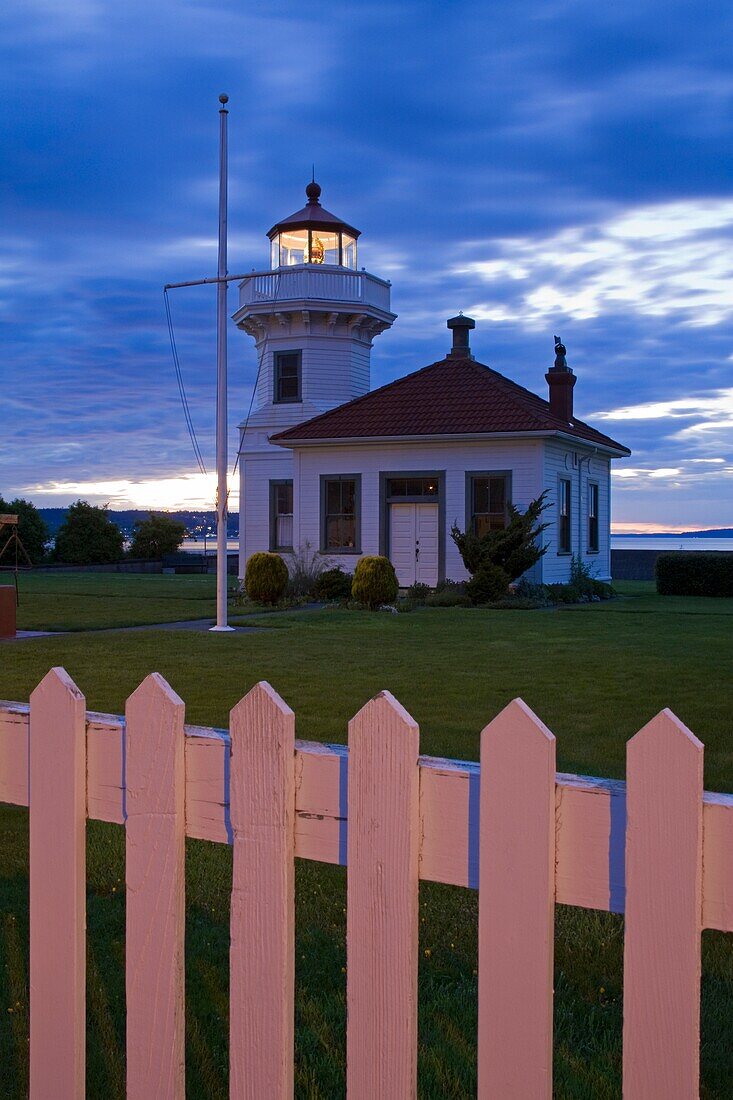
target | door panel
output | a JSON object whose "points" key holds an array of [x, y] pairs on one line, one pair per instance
{"points": [[402, 542], [426, 535], [414, 543]]}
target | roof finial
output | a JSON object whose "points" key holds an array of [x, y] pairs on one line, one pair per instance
{"points": [[313, 190]]}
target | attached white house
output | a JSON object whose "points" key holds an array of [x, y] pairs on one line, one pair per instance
{"points": [[326, 461]]}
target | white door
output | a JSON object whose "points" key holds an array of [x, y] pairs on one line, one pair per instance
{"points": [[414, 543]]}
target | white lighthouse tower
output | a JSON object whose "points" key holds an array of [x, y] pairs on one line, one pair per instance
{"points": [[313, 316]]}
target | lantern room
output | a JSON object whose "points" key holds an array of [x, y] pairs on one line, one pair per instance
{"points": [[313, 236]]}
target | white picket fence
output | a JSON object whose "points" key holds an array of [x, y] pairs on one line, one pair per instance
{"points": [[657, 847]]}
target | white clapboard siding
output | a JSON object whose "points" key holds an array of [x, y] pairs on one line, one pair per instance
{"points": [[155, 892], [262, 959], [664, 852], [589, 813], [382, 903], [516, 906], [57, 783]]}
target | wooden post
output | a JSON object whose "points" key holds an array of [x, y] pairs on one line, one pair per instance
{"points": [[155, 892], [516, 906], [57, 889], [661, 1049], [262, 953], [382, 905]]}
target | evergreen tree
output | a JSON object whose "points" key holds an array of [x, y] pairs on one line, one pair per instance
{"points": [[88, 536], [32, 531], [513, 550], [156, 536]]}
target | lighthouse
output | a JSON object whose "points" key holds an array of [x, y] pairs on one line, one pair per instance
{"points": [[313, 315]]}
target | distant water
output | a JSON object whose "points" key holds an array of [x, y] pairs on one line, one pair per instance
{"points": [[188, 546], [618, 542], [644, 542]]}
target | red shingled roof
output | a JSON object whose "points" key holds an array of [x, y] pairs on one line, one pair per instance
{"points": [[451, 397]]}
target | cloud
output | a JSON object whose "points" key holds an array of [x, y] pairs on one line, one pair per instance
{"points": [[664, 260], [183, 491]]}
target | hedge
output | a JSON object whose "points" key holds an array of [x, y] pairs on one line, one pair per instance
{"points": [[695, 573]]}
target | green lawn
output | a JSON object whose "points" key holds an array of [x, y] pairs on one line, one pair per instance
{"points": [[595, 674], [86, 601]]}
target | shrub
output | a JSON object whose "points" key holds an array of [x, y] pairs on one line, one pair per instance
{"points": [[375, 581], [305, 567], [266, 577], [418, 592], [457, 588], [695, 573], [525, 590], [334, 584], [448, 598], [489, 582]]}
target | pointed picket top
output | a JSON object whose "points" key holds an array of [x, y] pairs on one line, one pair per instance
{"points": [[262, 730], [58, 684], [155, 688], [665, 732], [384, 708], [262, 697], [154, 717], [518, 723]]}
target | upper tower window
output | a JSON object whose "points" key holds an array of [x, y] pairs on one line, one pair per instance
{"points": [[313, 236]]}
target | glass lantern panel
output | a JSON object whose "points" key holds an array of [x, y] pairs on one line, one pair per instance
{"points": [[294, 247], [348, 252], [275, 252], [324, 247]]}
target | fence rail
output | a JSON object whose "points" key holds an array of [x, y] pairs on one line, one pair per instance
{"points": [[658, 848]]}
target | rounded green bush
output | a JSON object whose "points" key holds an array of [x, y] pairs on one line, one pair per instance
{"points": [[266, 577], [375, 581], [334, 584]]}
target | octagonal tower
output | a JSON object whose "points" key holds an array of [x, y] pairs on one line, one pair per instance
{"points": [[313, 316]]}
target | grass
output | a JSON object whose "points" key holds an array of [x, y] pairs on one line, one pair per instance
{"points": [[594, 673], [90, 601]]}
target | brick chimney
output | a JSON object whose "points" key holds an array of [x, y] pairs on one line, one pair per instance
{"points": [[561, 380]]}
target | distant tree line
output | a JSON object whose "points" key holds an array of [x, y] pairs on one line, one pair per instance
{"points": [[89, 536]]}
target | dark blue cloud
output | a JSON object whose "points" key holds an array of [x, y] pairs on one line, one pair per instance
{"points": [[516, 134]]}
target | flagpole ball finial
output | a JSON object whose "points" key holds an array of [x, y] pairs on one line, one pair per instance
{"points": [[223, 98]]}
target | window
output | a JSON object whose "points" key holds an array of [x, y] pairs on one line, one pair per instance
{"points": [[563, 513], [412, 487], [340, 506], [287, 376], [281, 515], [488, 501], [592, 517]]}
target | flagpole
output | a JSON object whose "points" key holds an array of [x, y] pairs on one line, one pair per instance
{"points": [[221, 382]]}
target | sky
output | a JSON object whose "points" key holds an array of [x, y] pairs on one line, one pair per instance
{"points": [[547, 166]]}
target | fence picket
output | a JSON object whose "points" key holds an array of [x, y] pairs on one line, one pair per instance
{"points": [[382, 902], [516, 906], [661, 1034], [155, 891], [57, 799], [262, 953]]}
